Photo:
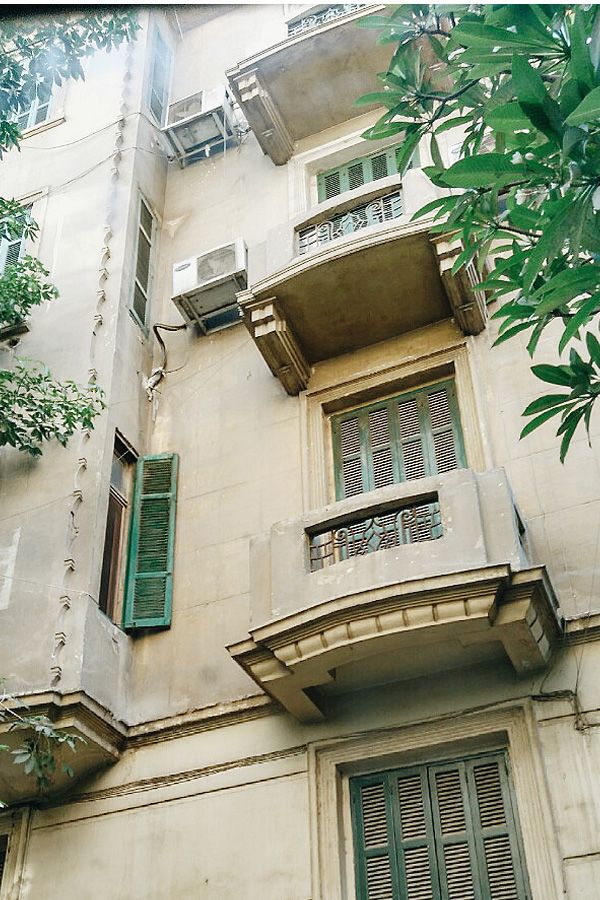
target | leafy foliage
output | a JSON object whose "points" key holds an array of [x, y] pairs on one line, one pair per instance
{"points": [[42, 742], [23, 286], [35, 54], [523, 85], [34, 407]]}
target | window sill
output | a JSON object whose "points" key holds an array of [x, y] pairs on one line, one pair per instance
{"points": [[43, 126]]}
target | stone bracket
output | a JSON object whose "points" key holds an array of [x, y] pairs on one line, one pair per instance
{"points": [[276, 341], [467, 300], [263, 116], [492, 604]]}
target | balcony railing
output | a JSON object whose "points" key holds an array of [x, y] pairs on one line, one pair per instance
{"points": [[402, 525], [307, 23], [382, 209]]}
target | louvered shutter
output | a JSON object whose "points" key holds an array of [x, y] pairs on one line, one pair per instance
{"points": [[149, 586], [376, 869], [408, 437], [476, 839], [12, 251], [356, 173], [418, 871]]}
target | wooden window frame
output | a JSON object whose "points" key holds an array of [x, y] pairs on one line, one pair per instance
{"points": [[151, 238], [333, 762], [111, 603]]}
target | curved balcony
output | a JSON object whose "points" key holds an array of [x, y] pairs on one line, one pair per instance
{"points": [[353, 271], [395, 584], [333, 60]]}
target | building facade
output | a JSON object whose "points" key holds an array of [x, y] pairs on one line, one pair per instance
{"points": [[328, 628]]}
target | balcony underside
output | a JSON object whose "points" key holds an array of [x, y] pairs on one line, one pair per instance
{"points": [[403, 631], [308, 83], [76, 714], [356, 291]]}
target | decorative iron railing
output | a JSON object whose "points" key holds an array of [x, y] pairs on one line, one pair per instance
{"points": [[382, 209], [299, 26], [359, 536]]}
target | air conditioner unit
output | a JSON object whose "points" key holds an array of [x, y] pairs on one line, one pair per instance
{"points": [[201, 125], [204, 287]]}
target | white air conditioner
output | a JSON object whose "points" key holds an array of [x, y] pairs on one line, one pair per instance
{"points": [[204, 287], [201, 125]]}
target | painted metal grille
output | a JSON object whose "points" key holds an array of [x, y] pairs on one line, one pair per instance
{"points": [[382, 209], [329, 14], [357, 537]]}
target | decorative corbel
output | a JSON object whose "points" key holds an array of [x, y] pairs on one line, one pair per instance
{"points": [[466, 298]]}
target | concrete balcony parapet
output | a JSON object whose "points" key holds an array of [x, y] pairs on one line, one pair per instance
{"points": [[402, 608]]}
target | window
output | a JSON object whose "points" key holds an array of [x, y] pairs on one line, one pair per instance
{"points": [[159, 78], [34, 114], [121, 476], [444, 831], [145, 236], [408, 436], [11, 251], [357, 172], [149, 585]]}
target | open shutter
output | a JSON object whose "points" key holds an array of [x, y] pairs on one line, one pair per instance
{"points": [[149, 586], [376, 871], [12, 251], [349, 464]]}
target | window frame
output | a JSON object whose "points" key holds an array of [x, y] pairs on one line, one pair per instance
{"points": [[112, 608], [332, 763], [5, 244], [140, 232], [158, 45], [32, 113]]}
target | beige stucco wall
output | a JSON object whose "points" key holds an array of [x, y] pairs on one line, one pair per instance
{"points": [[224, 810]]}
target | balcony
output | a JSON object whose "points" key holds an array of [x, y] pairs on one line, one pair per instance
{"points": [[353, 271], [333, 60], [395, 584]]}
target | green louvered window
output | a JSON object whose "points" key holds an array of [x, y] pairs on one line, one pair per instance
{"points": [[158, 93], [149, 585], [357, 172], [400, 439], [445, 831]]}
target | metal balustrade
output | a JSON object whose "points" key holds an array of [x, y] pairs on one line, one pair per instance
{"points": [[359, 536], [322, 17], [382, 209]]}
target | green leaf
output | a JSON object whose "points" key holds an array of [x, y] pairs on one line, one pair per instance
{"points": [[547, 401], [507, 117], [435, 153], [581, 64], [511, 332], [580, 318], [382, 98], [539, 420], [567, 429], [593, 346], [541, 110], [587, 111], [553, 374], [487, 170]]}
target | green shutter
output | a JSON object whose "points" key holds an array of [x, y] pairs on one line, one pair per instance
{"points": [[438, 832], [410, 436], [149, 585], [357, 172]]}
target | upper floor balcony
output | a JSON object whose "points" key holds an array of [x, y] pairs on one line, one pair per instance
{"points": [[396, 583], [310, 80], [353, 270]]}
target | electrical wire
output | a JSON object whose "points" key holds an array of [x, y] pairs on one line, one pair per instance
{"points": [[27, 146]]}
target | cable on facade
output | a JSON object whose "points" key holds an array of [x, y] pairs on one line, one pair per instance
{"points": [[159, 372]]}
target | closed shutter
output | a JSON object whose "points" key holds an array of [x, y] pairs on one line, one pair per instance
{"points": [[438, 832], [159, 80], [402, 439], [356, 173], [149, 587], [374, 840]]}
